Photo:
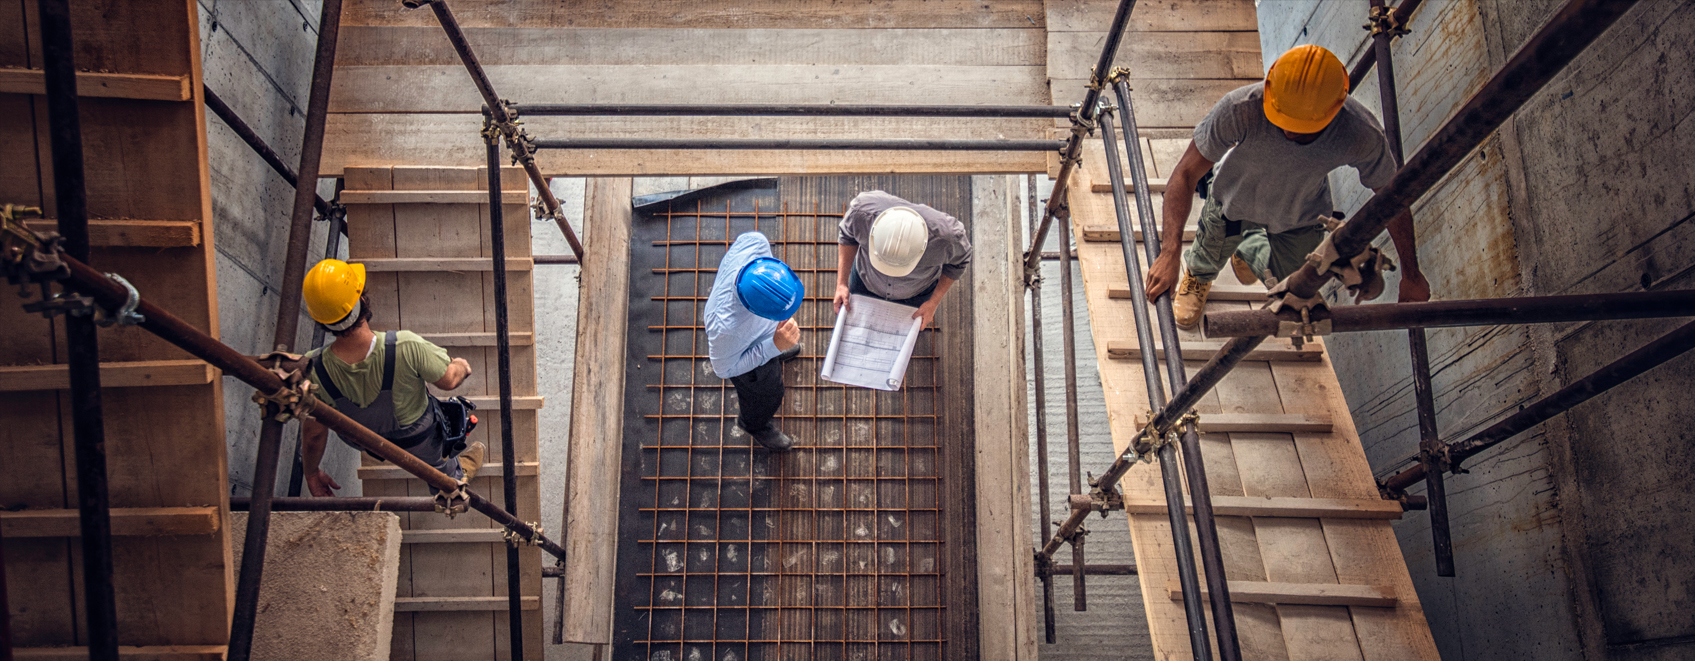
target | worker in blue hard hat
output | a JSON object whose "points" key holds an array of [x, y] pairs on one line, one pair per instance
{"points": [[750, 332]]}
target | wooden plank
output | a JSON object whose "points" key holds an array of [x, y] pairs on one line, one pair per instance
{"points": [[441, 264], [1168, 16], [132, 233], [519, 402], [429, 197], [145, 653], [110, 85], [126, 522], [1154, 186], [761, 14], [423, 45], [1221, 291], [478, 339], [421, 604], [447, 88], [1161, 102], [1110, 234], [129, 374], [597, 416], [1283, 507], [492, 469], [1157, 54], [487, 536], [1218, 423], [1123, 350], [1311, 594]]}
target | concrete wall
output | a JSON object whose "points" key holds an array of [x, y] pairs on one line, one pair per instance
{"points": [[1569, 539], [258, 59]]}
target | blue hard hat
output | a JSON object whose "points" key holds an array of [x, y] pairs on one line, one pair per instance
{"points": [[769, 288]]}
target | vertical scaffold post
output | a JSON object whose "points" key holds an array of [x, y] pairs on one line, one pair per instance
{"points": [[1206, 528], [1040, 370], [503, 347], [88, 425]]}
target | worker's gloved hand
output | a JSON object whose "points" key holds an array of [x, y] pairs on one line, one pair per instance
{"points": [[321, 484], [843, 298], [787, 335]]}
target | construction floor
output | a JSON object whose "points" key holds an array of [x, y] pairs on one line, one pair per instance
{"points": [[846, 547]]}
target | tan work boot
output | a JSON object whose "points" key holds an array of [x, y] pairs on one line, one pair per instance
{"points": [[1190, 302], [1244, 273], [471, 460]]}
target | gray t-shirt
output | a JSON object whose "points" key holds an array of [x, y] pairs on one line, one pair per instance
{"points": [[948, 254], [1271, 180]]}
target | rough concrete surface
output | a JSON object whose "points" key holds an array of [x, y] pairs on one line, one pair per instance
{"points": [[329, 584]]}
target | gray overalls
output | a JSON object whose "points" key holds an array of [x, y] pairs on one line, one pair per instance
{"points": [[422, 438]]}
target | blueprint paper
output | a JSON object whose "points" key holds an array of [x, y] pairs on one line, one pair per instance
{"points": [[872, 344]]}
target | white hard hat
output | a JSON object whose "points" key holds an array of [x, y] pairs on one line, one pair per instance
{"points": [[898, 239]]}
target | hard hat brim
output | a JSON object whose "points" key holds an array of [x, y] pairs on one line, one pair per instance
{"points": [[888, 269], [1296, 124]]}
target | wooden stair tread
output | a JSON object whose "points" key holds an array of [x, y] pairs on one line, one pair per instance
{"points": [[125, 374], [126, 522], [430, 197], [477, 339], [390, 472], [1215, 423], [1308, 594], [1110, 234], [1204, 350], [519, 402], [138, 86], [438, 604], [1221, 291], [1284, 507], [453, 536], [441, 264], [1154, 186], [127, 233]]}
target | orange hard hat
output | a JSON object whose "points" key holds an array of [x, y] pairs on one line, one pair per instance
{"points": [[1305, 89]]}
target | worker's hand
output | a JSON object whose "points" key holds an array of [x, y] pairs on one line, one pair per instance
{"points": [[927, 311], [1164, 272], [321, 484], [844, 298], [1414, 288], [787, 335]]}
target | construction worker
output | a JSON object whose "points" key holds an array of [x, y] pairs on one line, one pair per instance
{"points": [[1275, 143], [378, 380], [750, 332], [912, 253]]}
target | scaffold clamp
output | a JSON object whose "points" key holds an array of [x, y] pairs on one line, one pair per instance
{"points": [[515, 537], [293, 400], [453, 503], [1385, 20], [25, 255], [126, 314]]}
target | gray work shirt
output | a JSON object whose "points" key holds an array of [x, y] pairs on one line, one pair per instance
{"points": [[1271, 180], [948, 254]]}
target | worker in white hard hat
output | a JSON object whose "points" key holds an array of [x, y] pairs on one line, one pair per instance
{"points": [[899, 251]]}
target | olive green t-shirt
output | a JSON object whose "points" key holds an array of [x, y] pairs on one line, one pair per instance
{"points": [[417, 362]]}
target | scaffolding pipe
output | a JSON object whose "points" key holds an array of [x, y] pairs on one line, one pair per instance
{"points": [[1194, 466], [1424, 397], [1633, 364], [1046, 508], [783, 110], [506, 121], [1169, 468], [1082, 124], [268, 453], [503, 347], [246, 133], [1073, 429], [70, 193], [1402, 15], [1473, 312], [1543, 56], [356, 504], [800, 143]]}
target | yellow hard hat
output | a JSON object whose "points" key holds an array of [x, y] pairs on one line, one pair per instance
{"points": [[332, 289], [1305, 89]]}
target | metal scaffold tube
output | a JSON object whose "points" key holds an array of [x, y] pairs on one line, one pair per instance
{"points": [[784, 110], [1170, 467], [88, 423], [503, 347], [1472, 312], [1206, 528], [1401, 15], [246, 133], [506, 120], [1044, 565]]}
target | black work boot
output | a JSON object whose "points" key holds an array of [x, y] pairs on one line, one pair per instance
{"points": [[772, 438]]}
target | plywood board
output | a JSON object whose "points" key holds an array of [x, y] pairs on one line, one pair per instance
{"points": [[763, 14], [112, 85]]}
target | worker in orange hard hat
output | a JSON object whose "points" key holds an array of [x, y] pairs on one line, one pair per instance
{"points": [[1266, 203]]}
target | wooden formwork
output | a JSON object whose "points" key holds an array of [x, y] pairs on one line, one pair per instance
{"points": [[423, 235], [144, 140]]}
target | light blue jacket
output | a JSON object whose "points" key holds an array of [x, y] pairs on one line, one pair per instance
{"points": [[737, 340]]}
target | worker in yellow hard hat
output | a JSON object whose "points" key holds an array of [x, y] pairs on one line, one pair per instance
{"points": [[1275, 143], [380, 380]]}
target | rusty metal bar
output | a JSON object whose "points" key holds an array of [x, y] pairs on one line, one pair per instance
{"points": [[70, 192], [1474, 312], [1633, 364], [247, 134], [1082, 124], [1403, 15], [1046, 509], [522, 149], [784, 110], [503, 349], [799, 143]]}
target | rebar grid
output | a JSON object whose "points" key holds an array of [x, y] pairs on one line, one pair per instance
{"points": [[832, 549]]}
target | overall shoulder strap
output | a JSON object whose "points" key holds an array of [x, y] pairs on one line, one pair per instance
{"points": [[388, 360], [324, 380]]}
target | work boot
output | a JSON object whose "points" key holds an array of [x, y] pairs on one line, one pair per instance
{"points": [[792, 353], [471, 460], [1244, 273], [1191, 301], [772, 438]]}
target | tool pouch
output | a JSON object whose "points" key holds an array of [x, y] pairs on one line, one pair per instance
{"points": [[454, 422]]}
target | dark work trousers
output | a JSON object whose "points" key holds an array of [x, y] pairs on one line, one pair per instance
{"points": [[857, 286], [761, 394]]}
